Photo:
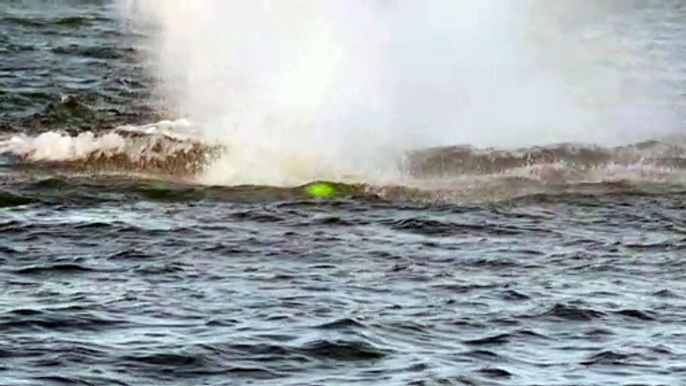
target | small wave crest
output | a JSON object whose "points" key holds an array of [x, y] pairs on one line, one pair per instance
{"points": [[559, 165], [459, 160], [169, 147]]}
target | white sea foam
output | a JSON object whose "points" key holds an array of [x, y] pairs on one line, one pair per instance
{"points": [[54, 146]]}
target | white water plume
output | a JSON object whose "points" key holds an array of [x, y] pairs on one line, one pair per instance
{"points": [[312, 89]]}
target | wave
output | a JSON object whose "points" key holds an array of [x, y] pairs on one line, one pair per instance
{"points": [[175, 151], [470, 160], [167, 147]]}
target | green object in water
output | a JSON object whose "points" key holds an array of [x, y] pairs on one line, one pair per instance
{"points": [[320, 190], [157, 191]]}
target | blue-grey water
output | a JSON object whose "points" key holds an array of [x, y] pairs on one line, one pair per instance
{"points": [[557, 265]]}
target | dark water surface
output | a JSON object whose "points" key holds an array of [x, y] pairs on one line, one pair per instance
{"points": [[548, 266]]}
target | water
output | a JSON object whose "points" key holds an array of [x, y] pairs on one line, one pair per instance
{"points": [[545, 262]]}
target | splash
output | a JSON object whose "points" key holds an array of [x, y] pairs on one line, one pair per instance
{"points": [[304, 90]]}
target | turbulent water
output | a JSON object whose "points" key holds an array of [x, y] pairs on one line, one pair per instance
{"points": [[558, 264]]}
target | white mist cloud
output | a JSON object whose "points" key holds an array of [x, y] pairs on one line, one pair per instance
{"points": [[330, 87]]}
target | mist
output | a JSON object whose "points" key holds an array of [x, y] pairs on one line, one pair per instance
{"points": [[307, 89]]}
